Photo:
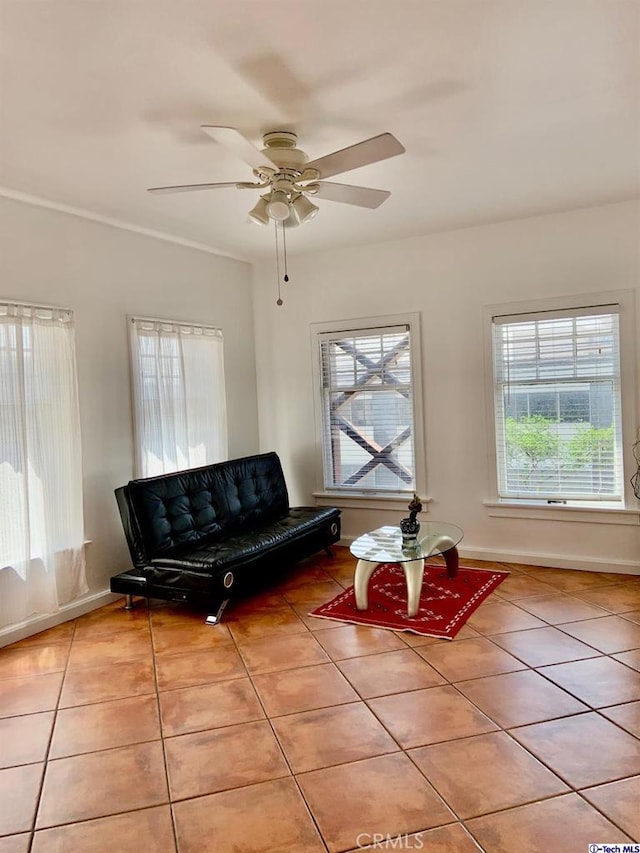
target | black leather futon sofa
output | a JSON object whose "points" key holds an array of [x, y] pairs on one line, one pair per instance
{"points": [[199, 536]]}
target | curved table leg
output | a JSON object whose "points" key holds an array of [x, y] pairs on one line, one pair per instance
{"points": [[413, 572], [361, 579], [451, 559]]}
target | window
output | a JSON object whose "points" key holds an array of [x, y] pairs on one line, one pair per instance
{"points": [[41, 518], [179, 395], [557, 405], [368, 420]]}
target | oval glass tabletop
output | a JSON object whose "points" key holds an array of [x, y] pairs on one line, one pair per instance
{"points": [[384, 545]]}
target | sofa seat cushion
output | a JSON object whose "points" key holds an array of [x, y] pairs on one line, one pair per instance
{"points": [[207, 556]]}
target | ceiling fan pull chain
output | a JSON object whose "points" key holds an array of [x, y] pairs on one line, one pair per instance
{"points": [[284, 245], [279, 299]]}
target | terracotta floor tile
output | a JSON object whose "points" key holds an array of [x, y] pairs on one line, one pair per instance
{"points": [[293, 690], [62, 633], [558, 608], [30, 694], [19, 789], [343, 574], [445, 839], [631, 659], [112, 619], [327, 736], [202, 667], [598, 682], [469, 659], [262, 818], [105, 725], [300, 576], [632, 616], [585, 750], [627, 716], [416, 640], [148, 829], [101, 683], [521, 586], [429, 716], [256, 602], [519, 698], [102, 783], [314, 623], [615, 599], [569, 580], [15, 843], [619, 802], [194, 709], [102, 651], [566, 824], [385, 795], [271, 654], [33, 660], [350, 641], [543, 646], [609, 634], [179, 637], [217, 760], [390, 672], [271, 624], [504, 774], [24, 740], [498, 617], [313, 595]]}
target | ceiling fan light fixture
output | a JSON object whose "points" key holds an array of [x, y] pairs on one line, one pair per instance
{"points": [[304, 208], [259, 214], [278, 206]]}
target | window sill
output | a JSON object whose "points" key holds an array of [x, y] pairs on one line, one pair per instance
{"points": [[536, 512], [400, 503]]}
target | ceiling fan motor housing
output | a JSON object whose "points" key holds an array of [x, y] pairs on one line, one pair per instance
{"points": [[280, 148]]}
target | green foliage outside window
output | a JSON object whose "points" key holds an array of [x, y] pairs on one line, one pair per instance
{"points": [[531, 437], [533, 445]]}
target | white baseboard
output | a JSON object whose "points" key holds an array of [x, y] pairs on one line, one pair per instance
{"points": [[68, 611], [586, 564]]}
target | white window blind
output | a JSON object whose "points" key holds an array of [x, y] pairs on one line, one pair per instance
{"points": [[367, 402], [557, 405], [178, 394], [42, 562]]}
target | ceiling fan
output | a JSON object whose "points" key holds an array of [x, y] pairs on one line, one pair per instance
{"points": [[288, 177]]}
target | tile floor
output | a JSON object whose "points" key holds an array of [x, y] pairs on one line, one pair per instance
{"points": [[275, 732]]}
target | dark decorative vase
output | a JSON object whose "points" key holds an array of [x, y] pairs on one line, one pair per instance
{"points": [[410, 528]]}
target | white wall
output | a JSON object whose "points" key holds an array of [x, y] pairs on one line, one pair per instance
{"points": [[105, 273], [448, 277]]}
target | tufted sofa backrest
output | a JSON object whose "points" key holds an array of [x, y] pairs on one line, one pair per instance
{"points": [[216, 500]]}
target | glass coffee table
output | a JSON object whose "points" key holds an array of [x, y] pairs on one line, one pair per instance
{"points": [[385, 545]]}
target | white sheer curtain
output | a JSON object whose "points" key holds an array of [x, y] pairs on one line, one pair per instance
{"points": [[41, 520], [179, 397]]}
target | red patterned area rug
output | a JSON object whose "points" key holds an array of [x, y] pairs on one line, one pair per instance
{"points": [[445, 603]]}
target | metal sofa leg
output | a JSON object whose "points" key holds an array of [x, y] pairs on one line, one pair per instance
{"points": [[129, 602], [216, 619], [328, 552]]}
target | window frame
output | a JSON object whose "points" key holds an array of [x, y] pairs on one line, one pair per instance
{"points": [[353, 497], [606, 512]]}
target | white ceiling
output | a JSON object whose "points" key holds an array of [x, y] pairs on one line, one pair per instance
{"points": [[506, 108]]}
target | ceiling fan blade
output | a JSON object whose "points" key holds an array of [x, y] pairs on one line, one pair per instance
{"points": [[348, 194], [189, 188], [370, 151], [238, 144]]}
